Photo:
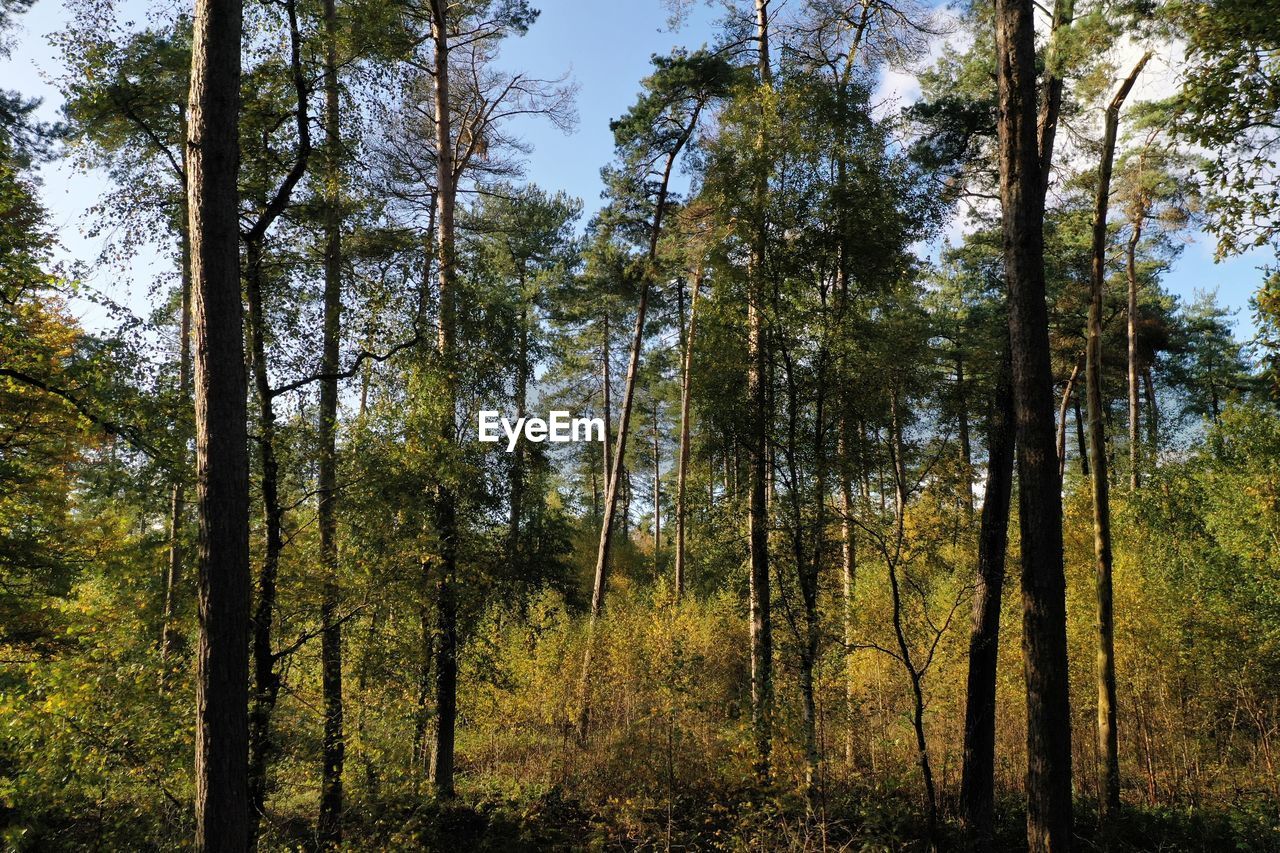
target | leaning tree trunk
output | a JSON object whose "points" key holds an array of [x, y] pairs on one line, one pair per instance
{"points": [[615, 471], [334, 745], [977, 785], [222, 463], [1048, 782], [1109, 802]]}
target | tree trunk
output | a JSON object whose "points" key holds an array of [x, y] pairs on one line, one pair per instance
{"points": [[266, 676], [606, 391], [446, 640], [521, 394], [1048, 781], [966, 448], [899, 629], [657, 491], [222, 464], [848, 577], [334, 744], [624, 421], [1109, 801], [1153, 413], [1067, 391], [757, 506], [178, 498], [1131, 273], [682, 472], [977, 786]]}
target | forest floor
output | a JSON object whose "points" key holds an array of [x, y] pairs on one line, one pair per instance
{"points": [[751, 820]]}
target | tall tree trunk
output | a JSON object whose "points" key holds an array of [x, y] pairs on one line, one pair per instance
{"points": [[222, 463], [757, 500], [682, 472], [1131, 273], [1048, 785], [848, 577], [899, 629], [334, 743], [521, 394], [606, 390], [1067, 393], [1051, 100], [266, 677], [1109, 802], [977, 785], [657, 491], [1153, 413], [446, 639], [178, 495], [1082, 444], [966, 448]]}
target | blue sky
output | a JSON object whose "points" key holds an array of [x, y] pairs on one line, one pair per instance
{"points": [[604, 44]]}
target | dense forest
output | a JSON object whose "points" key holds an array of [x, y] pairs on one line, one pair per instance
{"points": [[924, 516]]}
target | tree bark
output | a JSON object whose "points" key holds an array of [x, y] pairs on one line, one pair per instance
{"points": [[1048, 785], [334, 744], [977, 786], [1109, 801], [222, 464]]}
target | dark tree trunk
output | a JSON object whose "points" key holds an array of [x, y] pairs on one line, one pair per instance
{"points": [[266, 677], [977, 785], [1048, 784], [334, 744], [222, 464], [1082, 449]]}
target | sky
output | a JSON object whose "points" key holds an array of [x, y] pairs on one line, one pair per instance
{"points": [[605, 46]]}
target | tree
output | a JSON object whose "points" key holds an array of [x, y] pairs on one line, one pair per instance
{"points": [[222, 465], [1107, 740], [330, 828], [1040, 499], [650, 139]]}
